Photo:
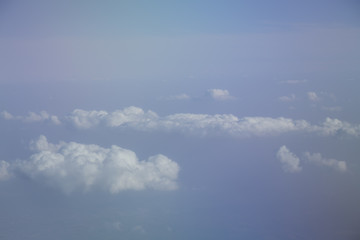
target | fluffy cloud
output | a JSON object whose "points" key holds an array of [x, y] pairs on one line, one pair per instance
{"points": [[220, 94], [312, 96], [32, 117], [290, 162], [74, 166], [204, 124], [333, 163]]}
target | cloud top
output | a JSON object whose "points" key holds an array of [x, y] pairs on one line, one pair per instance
{"points": [[74, 166]]}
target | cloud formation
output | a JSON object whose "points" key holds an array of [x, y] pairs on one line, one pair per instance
{"points": [[319, 160], [220, 94], [74, 166], [290, 162], [195, 124], [33, 117], [204, 124]]}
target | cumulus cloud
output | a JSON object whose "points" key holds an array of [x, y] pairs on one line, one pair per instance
{"points": [[220, 94], [290, 162], [312, 96], [204, 124], [319, 160], [287, 98], [32, 117], [74, 166]]}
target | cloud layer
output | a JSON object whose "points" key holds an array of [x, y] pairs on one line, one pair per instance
{"points": [[195, 124], [74, 166], [204, 124]]}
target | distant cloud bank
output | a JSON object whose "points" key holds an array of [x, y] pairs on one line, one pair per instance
{"points": [[204, 124], [80, 167], [196, 124]]}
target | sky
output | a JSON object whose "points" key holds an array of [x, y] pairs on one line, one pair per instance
{"points": [[179, 119]]}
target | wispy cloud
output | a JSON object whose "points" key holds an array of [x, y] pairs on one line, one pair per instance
{"points": [[74, 166], [312, 96], [287, 98], [32, 117], [5, 172], [180, 97]]}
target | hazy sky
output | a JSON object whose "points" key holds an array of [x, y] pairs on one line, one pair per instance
{"points": [[179, 120]]}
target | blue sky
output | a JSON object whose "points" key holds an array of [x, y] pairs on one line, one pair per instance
{"points": [[179, 120]]}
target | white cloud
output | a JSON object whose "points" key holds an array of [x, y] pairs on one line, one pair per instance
{"points": [[74, 166], [204, 124], [197, 124], [312, 96], [87, 119], [4, 170], [32, 117], [287, 98], [333, 126], [333, 163], [290, 162], [220, 94]]}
